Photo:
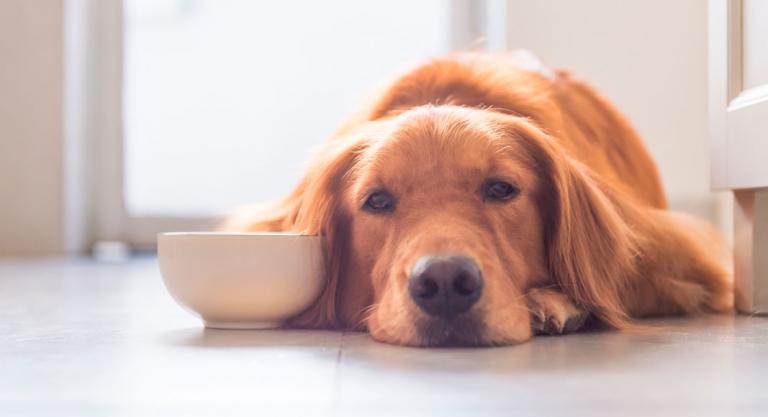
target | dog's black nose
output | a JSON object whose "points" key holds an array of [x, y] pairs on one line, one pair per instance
{"points": [[445, 285]]}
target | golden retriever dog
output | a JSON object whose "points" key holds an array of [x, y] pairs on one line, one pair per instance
{"points": [[481, 199]]}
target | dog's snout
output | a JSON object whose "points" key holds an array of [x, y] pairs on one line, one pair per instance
{"points": [[445, 285]]}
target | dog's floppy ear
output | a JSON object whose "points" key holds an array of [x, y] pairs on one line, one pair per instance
{"points": [[317, 209], [314, 207], [591, 248]]}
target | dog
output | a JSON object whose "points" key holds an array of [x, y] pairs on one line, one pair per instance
{"points": [[482, 199]]}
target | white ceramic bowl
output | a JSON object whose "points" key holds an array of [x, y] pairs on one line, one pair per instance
{"points": [[242, 280]]}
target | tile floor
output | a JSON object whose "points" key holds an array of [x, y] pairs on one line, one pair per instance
{"points": [[78, 338]]}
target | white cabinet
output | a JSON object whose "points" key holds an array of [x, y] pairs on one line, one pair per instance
{"points": [[738, 102]]}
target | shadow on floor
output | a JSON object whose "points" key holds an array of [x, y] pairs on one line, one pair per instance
{"points": [[200, 337], [593, 350]]}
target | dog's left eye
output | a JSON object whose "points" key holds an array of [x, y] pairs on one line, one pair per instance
{"points": [[380, 201], [500, 190]]}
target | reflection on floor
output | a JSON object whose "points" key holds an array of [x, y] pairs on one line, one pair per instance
{"points": [[79, 338]]}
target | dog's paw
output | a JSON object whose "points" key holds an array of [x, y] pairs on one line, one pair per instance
{"points": [[553, 313]]}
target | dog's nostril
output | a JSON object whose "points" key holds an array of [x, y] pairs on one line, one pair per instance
{"points": [[464, 285], [426, 288], [445, 285]]}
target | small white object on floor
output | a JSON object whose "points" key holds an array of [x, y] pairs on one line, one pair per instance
{"points": [[111, 251]]}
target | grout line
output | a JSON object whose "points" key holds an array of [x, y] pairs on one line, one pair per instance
{"points": [[341, 348], [336, 383]]}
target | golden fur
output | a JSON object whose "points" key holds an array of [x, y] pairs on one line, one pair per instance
{"points": [[588, 233]]}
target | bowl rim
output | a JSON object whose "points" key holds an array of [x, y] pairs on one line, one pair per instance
{"points": [[225, 234]]}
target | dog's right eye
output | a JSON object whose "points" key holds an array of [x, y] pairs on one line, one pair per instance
{"points": [[500, 191], [380, 201]]}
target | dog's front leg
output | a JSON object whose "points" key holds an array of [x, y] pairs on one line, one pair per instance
{"points": [[553, 312]]}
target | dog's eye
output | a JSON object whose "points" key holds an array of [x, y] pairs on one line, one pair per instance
{"points": [[380, 201], [500, 190]]}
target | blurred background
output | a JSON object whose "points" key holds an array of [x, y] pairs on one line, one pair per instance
{"points": [[122, 119]]}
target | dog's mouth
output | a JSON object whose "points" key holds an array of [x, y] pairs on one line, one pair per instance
{"points": [[461, 330]]}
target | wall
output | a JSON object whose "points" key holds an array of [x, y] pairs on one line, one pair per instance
{"points": [[31, 127], [650, 58]]}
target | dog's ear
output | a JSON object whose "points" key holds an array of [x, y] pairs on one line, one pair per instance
{"points": [[317, 209], [591, 248], [314, 207]]}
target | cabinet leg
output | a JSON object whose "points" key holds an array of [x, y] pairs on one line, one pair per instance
{"points": [[751, 250]]}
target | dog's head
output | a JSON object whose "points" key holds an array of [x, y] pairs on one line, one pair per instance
{"points": [[439, 219]]}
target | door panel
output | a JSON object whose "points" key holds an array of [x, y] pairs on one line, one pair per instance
{"points": [[755, 52], [739, 93]]}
